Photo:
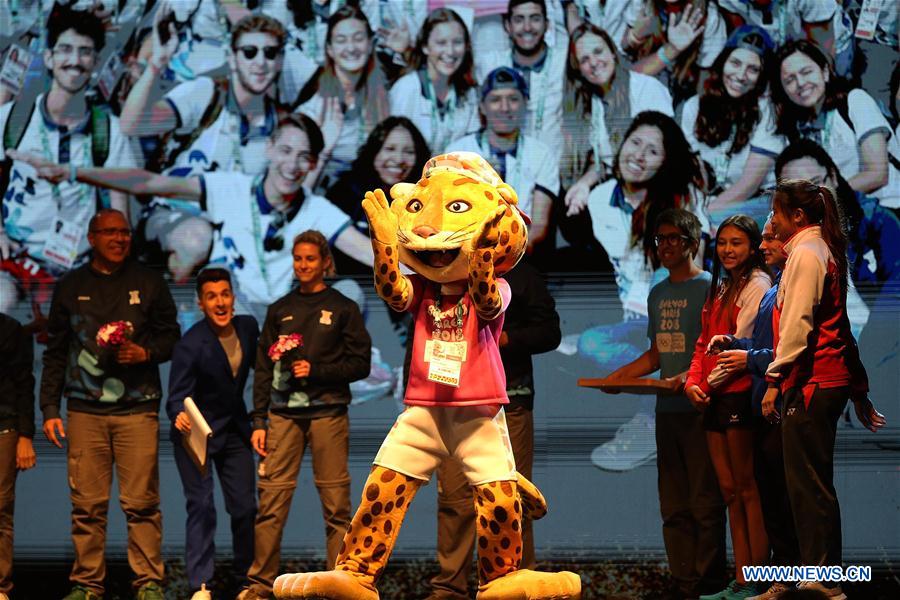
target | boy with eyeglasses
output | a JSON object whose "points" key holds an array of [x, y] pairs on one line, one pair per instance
{"points": [[112, 393], [254, 216], [690, 503], [204, 125], [43, 226]]}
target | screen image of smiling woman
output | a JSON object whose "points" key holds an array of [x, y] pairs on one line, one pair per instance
{"points": [[811, 101]]}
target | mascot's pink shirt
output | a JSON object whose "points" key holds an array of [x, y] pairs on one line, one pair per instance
{"points": [[482, 379]]}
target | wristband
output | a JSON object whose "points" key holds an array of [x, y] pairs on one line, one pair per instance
{"points": [[661, 54], [73, 172]]}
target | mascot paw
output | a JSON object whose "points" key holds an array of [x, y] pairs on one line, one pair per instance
{"points": [[534, 506], [532, 585], [325, 585]]}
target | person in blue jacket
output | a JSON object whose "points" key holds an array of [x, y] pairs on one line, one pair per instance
{"points": [[210, 364], [754, 354]]}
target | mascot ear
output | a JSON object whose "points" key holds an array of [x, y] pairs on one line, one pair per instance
{"points": [[402, 191], [507, 193]]}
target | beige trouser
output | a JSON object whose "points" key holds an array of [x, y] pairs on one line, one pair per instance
{"points": [[8, 440], [95, 443], [329, 441]]}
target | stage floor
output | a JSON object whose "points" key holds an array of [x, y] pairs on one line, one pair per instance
{"points": [[408, 580]]}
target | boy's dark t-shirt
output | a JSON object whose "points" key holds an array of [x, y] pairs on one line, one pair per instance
{"points": [[674, 311]]}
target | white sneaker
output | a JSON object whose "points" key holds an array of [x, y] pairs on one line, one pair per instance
{"points": [[833, 593], [202, 594], [633, 445], [773, 593]]}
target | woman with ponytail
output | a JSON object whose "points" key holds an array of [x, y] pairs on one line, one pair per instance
{"points": [[739, 281], [816, 365]]}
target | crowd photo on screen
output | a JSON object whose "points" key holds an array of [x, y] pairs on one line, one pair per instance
{"points": [[712, 196]]}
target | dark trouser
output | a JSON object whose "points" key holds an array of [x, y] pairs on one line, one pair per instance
{"points": [[808, 435], [768, 463], [95, 443], [456, 512], [236, 470], [8, 441], [286, 440], [691, 504]]}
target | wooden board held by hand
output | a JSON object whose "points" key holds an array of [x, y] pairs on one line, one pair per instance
{"points": [[632, 385]]}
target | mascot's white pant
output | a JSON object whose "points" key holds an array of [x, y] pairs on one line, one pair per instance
{"points": [[476, 436]]}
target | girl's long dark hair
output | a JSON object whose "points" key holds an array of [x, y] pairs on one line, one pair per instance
{"points": [[732, 284], [670, 187], [363, 168], [820, 207], [846, 197], [583, 91], [463, 79], [719, 113], [788, 114]]}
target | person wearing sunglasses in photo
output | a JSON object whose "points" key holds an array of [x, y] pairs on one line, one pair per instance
{"points": [[204, 125], [254, 215]]}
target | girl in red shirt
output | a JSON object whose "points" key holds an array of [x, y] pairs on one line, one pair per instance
{"points": [[740, 279]]}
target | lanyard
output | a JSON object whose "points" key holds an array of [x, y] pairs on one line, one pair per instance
{"points": [[257, 235], [83, 199], [598, 129], [722, 162], [826, 132], [438, 120], [235, 135], [782, 17], [514, 179], [447, 324], [540, 84]]}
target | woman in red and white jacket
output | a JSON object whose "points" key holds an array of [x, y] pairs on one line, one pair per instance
{"points": [[724, 395], [816, 365]]}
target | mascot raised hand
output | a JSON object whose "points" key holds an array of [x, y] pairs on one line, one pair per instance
{"points": [[458, 229]]}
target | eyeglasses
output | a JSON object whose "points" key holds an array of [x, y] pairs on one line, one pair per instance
{"points": [[67, 50], [112, 231], [671, 239], [270, 52]]}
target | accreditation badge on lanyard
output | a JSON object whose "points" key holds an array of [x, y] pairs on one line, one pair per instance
{"points": [[61, 247], [445, 353], [868, 19]]}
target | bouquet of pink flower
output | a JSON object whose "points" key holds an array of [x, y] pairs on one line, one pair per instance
{"points": [[285, 344], [114, 334]]}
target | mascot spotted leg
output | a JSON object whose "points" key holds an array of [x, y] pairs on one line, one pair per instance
{"points": [[458, 229]]}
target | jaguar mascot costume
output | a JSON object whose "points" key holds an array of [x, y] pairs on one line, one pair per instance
{"points": [[458, 229]]}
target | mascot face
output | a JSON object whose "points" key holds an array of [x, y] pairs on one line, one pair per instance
{"points": [[440, 216]]}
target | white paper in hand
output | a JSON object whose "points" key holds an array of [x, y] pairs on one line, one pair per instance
{"points": [[195, 442]]}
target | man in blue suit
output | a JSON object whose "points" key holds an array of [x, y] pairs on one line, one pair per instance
{"points": [[210, 364]]}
